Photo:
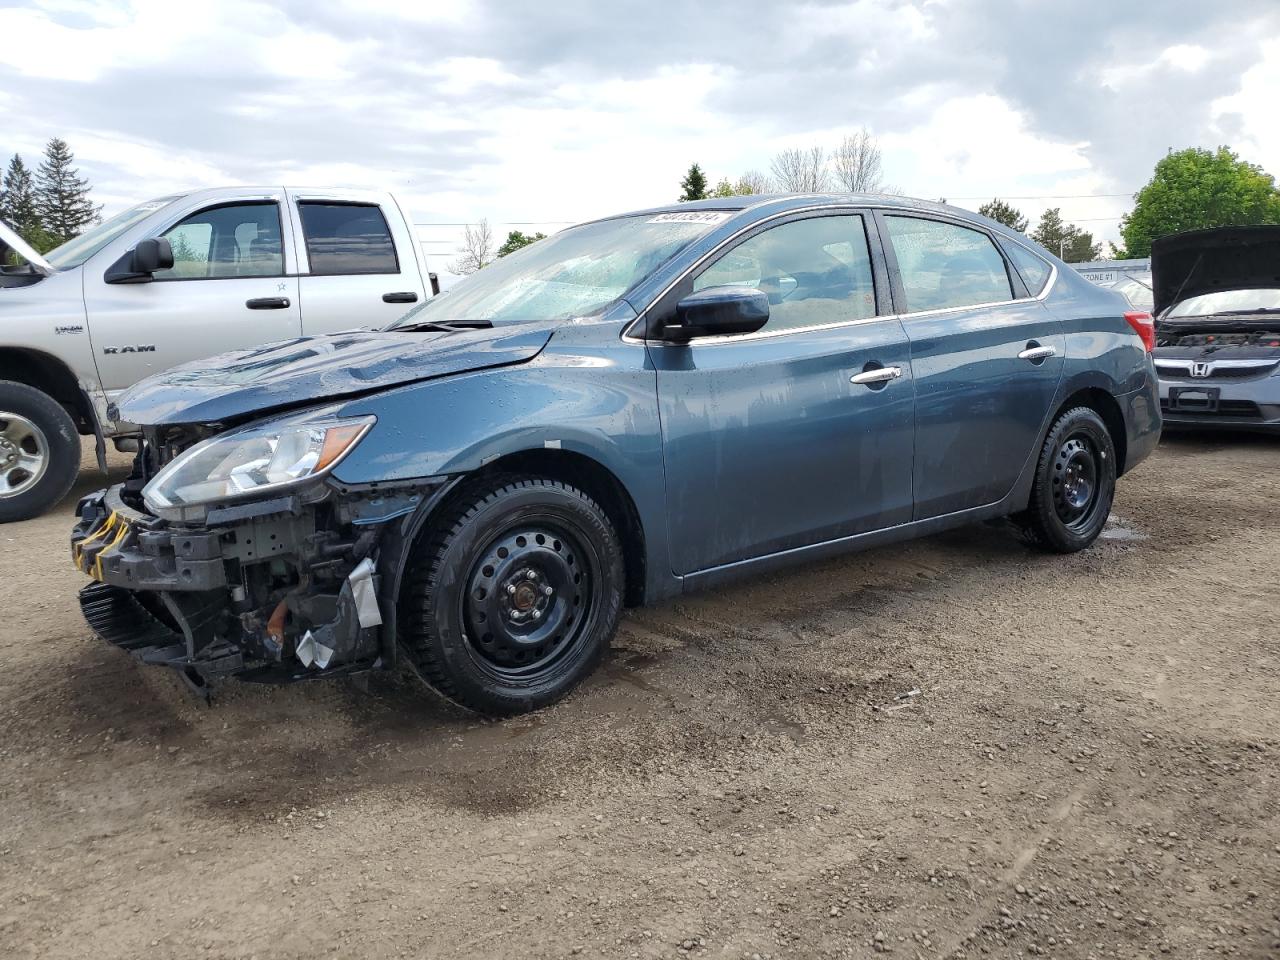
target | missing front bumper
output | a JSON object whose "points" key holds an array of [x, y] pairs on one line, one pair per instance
{"points": [[254, 597]]}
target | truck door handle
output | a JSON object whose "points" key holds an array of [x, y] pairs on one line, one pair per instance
{"points": [[407, 296], [876, 375], [1035, 353], [268, 303]]}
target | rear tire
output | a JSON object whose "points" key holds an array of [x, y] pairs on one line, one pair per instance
{"points": [[39, 452], [1074, 486], [512, 598]]}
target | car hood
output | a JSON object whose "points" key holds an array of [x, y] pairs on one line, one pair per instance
{"points": [[1205, 261], [231, 386], [9, 238]]}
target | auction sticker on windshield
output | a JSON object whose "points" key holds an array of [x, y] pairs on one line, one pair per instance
{"points": [[693, 216]]}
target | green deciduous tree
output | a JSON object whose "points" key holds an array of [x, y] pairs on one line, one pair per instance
{"points": [[1194, 189], [1005, 213], [724, 189], [694, 184], [1065, 239], [517, 239], [19, 207], [62, 195]]}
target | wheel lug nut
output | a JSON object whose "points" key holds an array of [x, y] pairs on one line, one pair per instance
{"points": [[511, 589], [547, 590]]}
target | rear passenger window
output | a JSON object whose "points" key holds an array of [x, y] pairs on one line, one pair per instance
{"points": [[944, 265], [1033, 270], [815, 272], [347, 238]]}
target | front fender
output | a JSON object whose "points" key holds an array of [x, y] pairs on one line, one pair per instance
{"points": [[580, 395]]}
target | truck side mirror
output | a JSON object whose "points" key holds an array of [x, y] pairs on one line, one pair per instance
{"points": [[138, 265]]}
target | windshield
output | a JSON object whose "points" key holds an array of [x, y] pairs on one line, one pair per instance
{"points": [[1136, 292], [575, 273], [1227, 301], [79, 249]]}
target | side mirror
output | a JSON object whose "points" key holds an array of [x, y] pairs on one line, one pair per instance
{"points": [[137, 265], [717, 311]]}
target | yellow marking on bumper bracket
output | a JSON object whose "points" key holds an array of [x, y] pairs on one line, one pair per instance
{"points": [[98, 534]]}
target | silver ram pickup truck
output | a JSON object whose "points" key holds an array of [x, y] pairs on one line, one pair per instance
{"points": [[172, 280]]}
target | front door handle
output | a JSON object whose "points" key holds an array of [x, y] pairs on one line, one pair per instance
{"points": [[268, 303], [1037, 353], [407, 296], [876, 375]]}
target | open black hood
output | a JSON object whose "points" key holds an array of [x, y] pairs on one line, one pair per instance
{"points": [[1205, 261]]}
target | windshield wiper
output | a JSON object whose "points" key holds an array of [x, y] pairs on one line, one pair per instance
{"points": [[444, 326], [1239, 313]]}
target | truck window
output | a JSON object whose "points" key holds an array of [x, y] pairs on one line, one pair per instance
{"points": [[347, 238], [234, 240]]}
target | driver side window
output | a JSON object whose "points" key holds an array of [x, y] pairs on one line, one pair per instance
{"points": [[815, 272], [235, 240]]}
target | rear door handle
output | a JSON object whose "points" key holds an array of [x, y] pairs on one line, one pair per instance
{"points": [[407, 296], [1037, 353], [877, 375], [268, 303]]}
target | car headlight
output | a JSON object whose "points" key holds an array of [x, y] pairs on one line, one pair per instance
{"points": [[250, 463]]}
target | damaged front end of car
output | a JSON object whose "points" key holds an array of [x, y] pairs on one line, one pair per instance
{"points": [[236, 553]]}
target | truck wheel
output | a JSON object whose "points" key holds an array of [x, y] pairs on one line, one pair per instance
{"points": [[39, 452], [513, 597], [1074, 486]]}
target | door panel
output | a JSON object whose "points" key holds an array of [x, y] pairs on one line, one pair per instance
{"points": [[768, 444], [226, 256], [358, 270], [979, 404], [979, 408]]}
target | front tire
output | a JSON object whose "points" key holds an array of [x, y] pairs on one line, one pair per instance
{"points": [[511, 599], [1075, 483], [39, 452]]}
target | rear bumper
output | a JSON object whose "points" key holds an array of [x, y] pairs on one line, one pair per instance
{"points": [[266, 593]]}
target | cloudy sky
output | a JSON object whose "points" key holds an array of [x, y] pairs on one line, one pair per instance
{"points": [[545, 113]]}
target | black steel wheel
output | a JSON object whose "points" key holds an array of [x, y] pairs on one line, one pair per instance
{"points": [[1075, 483], [513, 597]]}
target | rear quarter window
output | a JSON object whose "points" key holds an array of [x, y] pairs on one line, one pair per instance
{"points": [[1034, 271]]}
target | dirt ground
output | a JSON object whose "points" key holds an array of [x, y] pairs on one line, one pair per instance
{"points": [[1091, 767]]}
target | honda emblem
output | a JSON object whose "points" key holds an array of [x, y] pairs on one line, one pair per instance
{"points": [[1201, 369]]}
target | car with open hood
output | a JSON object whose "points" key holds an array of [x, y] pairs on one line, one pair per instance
{"points": [[1217, 306], [633, 408]]}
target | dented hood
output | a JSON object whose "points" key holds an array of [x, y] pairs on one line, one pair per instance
{"points": [[233, 386], [1206, 261]]}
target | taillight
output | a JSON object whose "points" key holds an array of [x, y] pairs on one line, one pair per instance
{"points": [[1144, 327]]}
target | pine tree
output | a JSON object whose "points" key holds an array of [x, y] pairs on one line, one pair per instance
{"points": [[1065, 239], [694, 184], [62, 195], [19, 207], [1005, 213]]}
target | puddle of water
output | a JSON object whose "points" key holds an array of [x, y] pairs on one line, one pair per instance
{"points": [[788, 728], [1118, 529]]}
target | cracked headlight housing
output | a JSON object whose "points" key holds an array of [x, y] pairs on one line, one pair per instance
{"points": [[249, 464]]}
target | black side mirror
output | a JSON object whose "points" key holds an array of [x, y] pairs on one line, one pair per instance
{"points": [[717, 311], [138, 264]]}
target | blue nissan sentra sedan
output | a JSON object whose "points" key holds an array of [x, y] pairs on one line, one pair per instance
{"points": [[635, 407]]}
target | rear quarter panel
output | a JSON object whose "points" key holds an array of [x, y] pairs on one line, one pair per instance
{"points": [[1104, 352]]}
